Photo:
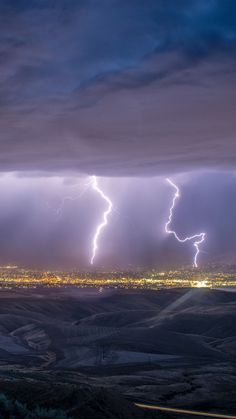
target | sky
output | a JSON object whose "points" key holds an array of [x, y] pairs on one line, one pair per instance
{"points": [[130, 91]]}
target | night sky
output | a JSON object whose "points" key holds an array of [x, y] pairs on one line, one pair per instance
{"points": [[130, 91]]}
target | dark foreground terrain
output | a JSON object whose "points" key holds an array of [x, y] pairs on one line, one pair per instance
{"points": [[89, 354]]}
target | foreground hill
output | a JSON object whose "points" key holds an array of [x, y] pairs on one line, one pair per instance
{"points": [[86, 351]]}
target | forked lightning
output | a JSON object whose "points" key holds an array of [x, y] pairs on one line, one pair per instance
{"points": [[198, 238]]}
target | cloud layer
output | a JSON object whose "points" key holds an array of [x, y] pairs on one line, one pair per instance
{"points": [[117, 88]]}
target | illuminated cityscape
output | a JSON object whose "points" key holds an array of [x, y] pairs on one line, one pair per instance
{"points": [[210, 277]]}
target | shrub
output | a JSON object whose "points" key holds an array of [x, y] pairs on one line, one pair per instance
{"points": [[13, 409]]}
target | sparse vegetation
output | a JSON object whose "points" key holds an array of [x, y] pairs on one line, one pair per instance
{"points": [[13, 409]]}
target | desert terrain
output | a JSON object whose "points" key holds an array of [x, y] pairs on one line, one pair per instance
{"points": [[74, 349]]}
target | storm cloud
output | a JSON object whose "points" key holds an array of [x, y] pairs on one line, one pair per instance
{"points": [[117, 88]]}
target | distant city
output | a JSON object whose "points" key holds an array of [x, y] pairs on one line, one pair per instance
{"points": [[213, 276]]}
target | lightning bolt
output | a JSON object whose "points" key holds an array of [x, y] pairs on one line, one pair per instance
{"points": [[60, 207], [105, 217], [198, 238], [59, 210]]}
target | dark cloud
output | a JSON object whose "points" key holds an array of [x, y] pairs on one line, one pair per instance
{"points": [[117, 87]]}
